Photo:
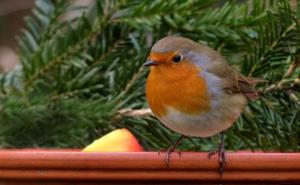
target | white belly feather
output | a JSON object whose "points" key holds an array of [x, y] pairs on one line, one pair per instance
{"points": [[219, 118]]}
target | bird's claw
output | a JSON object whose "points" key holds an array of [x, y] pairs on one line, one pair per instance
{"points": [[221, 154], [172, 149], [211, 153], [222, 159], [168, 155]]}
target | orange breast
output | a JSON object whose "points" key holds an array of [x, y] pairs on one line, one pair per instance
{"points": [[178, 86]]}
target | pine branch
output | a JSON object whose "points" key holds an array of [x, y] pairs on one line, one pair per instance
{"points": [[71, 50], [283, 85], [41, 26], [273, 47], [83, 77]]}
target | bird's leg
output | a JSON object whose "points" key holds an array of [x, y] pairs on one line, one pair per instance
{"points": [[221, 153], [172, 149]]}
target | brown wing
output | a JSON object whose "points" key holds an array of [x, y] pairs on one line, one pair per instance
{"points": [[242, 85], [232, 81]]}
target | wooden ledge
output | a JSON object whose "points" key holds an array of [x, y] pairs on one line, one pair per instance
{"points": [[63, 166]]}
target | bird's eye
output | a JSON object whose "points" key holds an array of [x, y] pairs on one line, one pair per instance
{"points": [[177, 58]]}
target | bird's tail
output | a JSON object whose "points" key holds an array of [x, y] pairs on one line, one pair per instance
{"points": [[252, 82]]}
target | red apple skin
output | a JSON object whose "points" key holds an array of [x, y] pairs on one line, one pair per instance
{"points": [[119, 140]]}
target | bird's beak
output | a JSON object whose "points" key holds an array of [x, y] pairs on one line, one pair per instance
{"points": [[151, 63]]}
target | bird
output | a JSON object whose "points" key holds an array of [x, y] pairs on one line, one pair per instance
{"points": [[193, 91]]}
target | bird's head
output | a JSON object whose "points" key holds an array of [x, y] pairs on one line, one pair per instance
{"points": [[170, 51], [177, 57]]}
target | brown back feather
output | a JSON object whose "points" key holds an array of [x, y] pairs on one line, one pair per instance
{"points": [[243, 85], [232, 81]]}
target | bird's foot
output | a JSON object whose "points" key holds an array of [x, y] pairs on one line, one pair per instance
{"points": [[168, 155], [221, 154], [168, 152], [172, 149], [222, 159]]}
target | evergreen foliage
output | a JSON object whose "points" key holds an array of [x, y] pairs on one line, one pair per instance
{"points": [[76, 74]]}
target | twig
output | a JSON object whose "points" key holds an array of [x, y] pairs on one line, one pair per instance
{"points": [[127, 112], [135, 113], [281, 85], [292, 67]]}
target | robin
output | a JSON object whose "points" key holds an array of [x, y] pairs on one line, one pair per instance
{"points": [[193, 91]]}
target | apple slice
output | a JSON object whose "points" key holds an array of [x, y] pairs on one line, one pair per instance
{"points": [[119, 140]]}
